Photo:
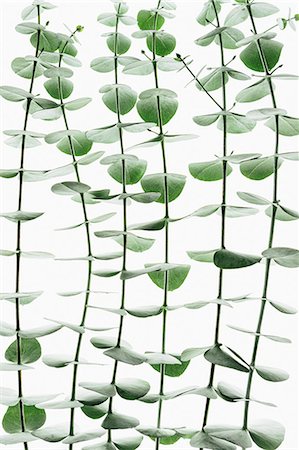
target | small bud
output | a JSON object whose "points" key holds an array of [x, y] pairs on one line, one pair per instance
{"points": [[282, 23], [79, 28], [47, 23], [296, 17]]}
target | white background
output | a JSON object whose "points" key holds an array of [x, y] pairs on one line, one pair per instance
{"points": [[185, 328]]}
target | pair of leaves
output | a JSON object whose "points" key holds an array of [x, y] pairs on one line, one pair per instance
{"points": [[119, 98], [234, 123], [157, 104], [69, 141], [134, 168]]}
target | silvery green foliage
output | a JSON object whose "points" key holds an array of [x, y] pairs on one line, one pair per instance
{"points": [[55, 58], [261, 53]]}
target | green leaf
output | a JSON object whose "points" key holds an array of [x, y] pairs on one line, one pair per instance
{"points": [[207, 14], [203, 256], [39, 331], [134, 170], [54, 72], [125, 355], [148, 109], [267, 434], [83, 437], [95, 412], [271, 373], [154, 432], [260, 168], [129, 443], [14, 94], [48, 41], [204, 440], [108, 19], [225, 259], [261, 9], [77, 104], [173, 370], [16, 438], [253, 198], [69, 188], [216, 355], [292, 156], [139, 68], [115, 421], [52, 434], [34, 419], [24, 297], [103, 64], [59, 87], [236, 15], [209, 171], [31, 11], [164, 43], [176, 276], [213, 80], [132, 388], [119, 97], [282, 213], [120, 41], [28, 27], [155, 183], [191, 353], [236, 123], [30, 351], [230, 38], [104, 341], [271, 50], [148, 20], [283, 308], [236, 436], [254, 92], [145, 311], [21, 216], [287, 126], [70, 140], [287, 257], [26, 67], [136, 243]]}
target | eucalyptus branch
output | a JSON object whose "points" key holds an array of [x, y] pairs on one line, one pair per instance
{"points": [[18, 245], [223, 221], [272, 228], [89, 250]]}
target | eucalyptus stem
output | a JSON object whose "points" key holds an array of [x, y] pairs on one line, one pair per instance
{"points": [[166, 217], [223, 218], [89, 249], [272, 227], [19, 236], [124, 259]]}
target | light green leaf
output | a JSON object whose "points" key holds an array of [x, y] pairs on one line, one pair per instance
{"points": [[69, 188], [136, 243], [282, 213], [52, 434], [261, 9], [230, 38], [236, 436], [125, 355], [34, 419], [145, 311], [254, 92], [47, 40], [119, 97], [156, 183], [21, 216], [16, 438], [148, 109], [213, 81], [203, 256], [267, 434], [271, 50], [14, 94], [260, 168], [236, 124], [39, 331], [216, 355], [134, 170], [156, 432], [24, 297], [175, 369], [103, 64], [26, 67], [83, 437], [283, 308], [204, 440], [236, 15], [119, 41], [209, 171], [253, 198], [207, 14], [271, 373], [287, 126], [139, 68], [191, 353], [77, 104]]}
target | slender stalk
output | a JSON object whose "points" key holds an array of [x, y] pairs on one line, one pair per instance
{"points": [[223, 218], [166, 217], [272, 227], [90, 262], [19, 236], [124, 259]]}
